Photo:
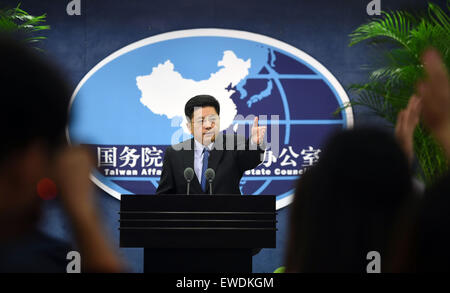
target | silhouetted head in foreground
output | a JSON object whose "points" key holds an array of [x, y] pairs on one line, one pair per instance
{"points": [[348, 203], [34, 101], [432, 231]]}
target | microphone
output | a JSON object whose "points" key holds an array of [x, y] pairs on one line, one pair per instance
{"points": [[188, 175], [209, 175]]}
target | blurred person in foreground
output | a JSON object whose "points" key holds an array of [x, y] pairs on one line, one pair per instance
{"points": [[354, 200], [348, 203], [426, 241], [332, 234], [34, 113]]}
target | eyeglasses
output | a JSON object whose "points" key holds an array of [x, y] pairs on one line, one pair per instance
{"points": [[213, 119]]}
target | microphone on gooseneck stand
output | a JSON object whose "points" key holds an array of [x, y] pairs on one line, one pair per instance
{"points": [[188, 175], [209, 175]]}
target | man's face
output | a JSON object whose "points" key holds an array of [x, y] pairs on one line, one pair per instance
{"points": [[205, 124]]}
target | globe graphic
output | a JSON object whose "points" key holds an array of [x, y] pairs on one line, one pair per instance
{"points": [[258, 185], [119, 111], [272, 76]]}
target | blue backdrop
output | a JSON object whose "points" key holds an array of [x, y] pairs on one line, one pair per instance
{"points": [[320, 28]]}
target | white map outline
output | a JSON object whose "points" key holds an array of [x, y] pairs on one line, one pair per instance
{"points": [[168, 99]]}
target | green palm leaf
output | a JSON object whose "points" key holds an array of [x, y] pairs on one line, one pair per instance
{"points": [[391, 82], [394, 26], [16, 20]]}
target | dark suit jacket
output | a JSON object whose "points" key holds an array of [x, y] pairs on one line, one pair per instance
{"points": [[229, 165]]}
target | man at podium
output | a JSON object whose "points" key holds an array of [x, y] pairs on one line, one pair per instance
{"points": [[228, 155]]}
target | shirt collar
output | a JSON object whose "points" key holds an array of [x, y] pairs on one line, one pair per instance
{"points": [[198, 147]]}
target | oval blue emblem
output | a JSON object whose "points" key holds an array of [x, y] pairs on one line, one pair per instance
{"points": [[130, 106]]}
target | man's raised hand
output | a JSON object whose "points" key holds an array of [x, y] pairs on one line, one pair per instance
{"points": [[258, 132]]}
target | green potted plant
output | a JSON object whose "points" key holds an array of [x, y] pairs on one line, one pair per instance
{"points": [[401, 37], [16, 20]]}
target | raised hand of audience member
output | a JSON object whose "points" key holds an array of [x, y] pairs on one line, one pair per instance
{"points": [[435, 94], [407, 121], [72, 170]]}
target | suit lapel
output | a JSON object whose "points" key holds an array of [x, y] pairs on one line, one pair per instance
{"points": [[188, 161], [216, 153], [188, 154]]}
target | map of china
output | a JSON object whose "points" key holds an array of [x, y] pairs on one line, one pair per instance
{"points": [[165, 91]]}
